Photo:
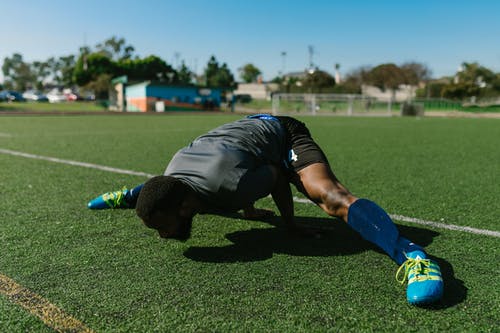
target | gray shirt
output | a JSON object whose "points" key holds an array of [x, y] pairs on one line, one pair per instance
{"points": [[230, 166]]}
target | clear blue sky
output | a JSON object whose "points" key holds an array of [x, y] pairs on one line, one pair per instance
{"points": [[439, 33]]}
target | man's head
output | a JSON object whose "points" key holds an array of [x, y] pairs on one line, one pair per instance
{"points": [[162, 205]]}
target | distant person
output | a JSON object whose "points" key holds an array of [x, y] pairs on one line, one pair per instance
{"points": [[234, 165]]}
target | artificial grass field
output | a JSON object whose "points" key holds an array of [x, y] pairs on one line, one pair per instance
{"points": [[52, 107], [113, 274]]}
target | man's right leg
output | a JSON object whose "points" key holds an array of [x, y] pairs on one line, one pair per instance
{"points": [[123, 198], [319, 184]]}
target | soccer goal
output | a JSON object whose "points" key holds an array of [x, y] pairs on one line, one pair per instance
{"points": [[331, 104]]}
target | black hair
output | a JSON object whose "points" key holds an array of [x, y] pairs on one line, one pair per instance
{"points": [[160, 193]]}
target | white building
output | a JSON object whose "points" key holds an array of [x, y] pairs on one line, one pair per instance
{"points": [[403, 93], [257, 90]]}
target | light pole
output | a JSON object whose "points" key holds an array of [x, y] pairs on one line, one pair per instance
{"points": [[311, 54], [283, 62], [337, 73]]}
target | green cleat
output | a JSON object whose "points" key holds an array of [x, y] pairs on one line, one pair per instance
{"points": [[110, 200]]}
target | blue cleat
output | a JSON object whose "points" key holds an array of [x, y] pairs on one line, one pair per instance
{"points": [[425, 284], [110, 200]]}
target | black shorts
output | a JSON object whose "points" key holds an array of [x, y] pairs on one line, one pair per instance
{"points": [[303, 151]]}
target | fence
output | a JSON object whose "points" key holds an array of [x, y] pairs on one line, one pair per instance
{"points": [[339, 104]]}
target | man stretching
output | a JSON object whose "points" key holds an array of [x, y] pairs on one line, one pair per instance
{"points": [[234, 165]]}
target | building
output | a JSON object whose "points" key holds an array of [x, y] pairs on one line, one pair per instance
{"points": [[157, 96], [257, 90], [403, 93]]}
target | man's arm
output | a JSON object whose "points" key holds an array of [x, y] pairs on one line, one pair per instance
{"points": [[282, 196]]}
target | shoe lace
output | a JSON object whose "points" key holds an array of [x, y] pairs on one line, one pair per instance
{"points": [[114, 199], [416, 266]]}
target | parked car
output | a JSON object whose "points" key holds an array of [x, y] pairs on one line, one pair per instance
{"points": [[71, 95], [11, 96], [36, 96], [55, 96], [88, 97]]}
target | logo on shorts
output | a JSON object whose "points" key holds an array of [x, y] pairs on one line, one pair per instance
{"points": [[292, 156]]}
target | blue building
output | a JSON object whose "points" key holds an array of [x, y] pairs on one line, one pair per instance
{"points": [[154, 96]]}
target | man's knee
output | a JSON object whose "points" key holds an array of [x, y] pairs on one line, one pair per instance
{"points": [[336, 202]]}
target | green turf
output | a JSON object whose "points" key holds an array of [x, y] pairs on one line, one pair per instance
{"points": [[51, 107], [113, 274], [14, 319], [479, 109], [333, 107]]}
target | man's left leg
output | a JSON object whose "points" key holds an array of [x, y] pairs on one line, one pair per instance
{"points": [[319, 184], [123, 198]]}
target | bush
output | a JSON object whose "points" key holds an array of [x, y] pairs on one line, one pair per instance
{"points": [[412, 109], [242, 98]]}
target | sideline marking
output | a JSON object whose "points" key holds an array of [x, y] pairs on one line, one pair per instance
{"points": [[50, 314], [438, 225], [75, 163]]}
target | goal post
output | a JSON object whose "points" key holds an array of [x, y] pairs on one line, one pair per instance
{"points": [[331, 104]]}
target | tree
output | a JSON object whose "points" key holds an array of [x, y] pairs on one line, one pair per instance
{"points": [[459, 91], [433, 89], [115, 48], [353, 81], [94, 72], [473, 73], [317, 80], [150, 68], [386, 76], [211, 69], [21, 75], [185, 76], [64, 69], [249, 73], [415, 73], [495, 85], [18, 75], [472, 80], [89, 67], [41, 72], [218, 76], [100, 86]]}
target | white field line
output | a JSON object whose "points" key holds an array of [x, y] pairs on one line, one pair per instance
{"points": [[438, 225], [446, 226], [296, 199], [75, 163]]}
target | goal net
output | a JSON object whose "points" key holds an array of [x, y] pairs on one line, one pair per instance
{"points": [[331, 104]]}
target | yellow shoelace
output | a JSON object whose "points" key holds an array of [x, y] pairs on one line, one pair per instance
{"points": [[113, 199], [417, 266]]}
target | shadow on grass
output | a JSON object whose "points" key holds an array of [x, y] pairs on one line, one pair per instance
{"points": [[332, 238], [455, 292]]}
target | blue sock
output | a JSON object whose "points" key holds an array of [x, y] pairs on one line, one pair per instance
{"points": [[132, 195], [375, 225], [409, 248]]}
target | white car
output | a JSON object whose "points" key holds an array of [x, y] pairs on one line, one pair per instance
{"points": [[55, 96], [32, 95]]}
